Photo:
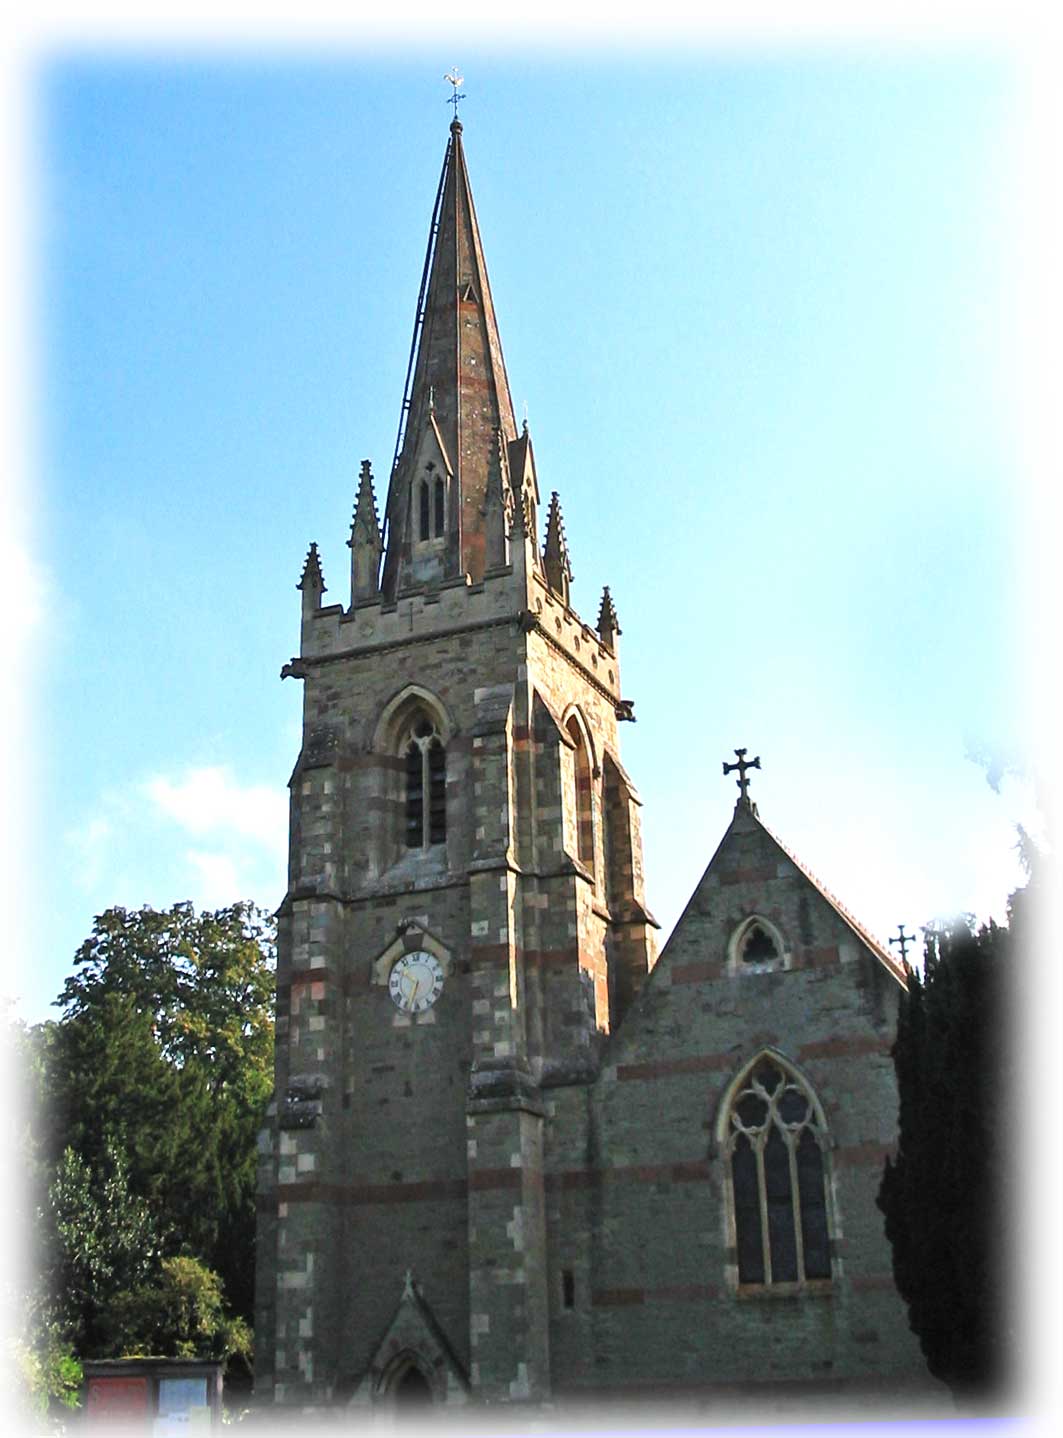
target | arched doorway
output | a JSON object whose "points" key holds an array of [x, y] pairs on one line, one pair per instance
{"points": [[411, 1389]]}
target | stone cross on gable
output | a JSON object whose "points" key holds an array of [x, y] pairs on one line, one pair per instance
{"points": [[742, 765], [902, 941]]}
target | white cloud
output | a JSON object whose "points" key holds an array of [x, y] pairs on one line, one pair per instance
{"points": [[209, 801], [219, 879]]}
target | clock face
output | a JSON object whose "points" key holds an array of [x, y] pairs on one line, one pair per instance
{"points": [[416, 982]]}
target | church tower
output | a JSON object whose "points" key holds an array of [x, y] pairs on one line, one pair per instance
{"points": [[465, 923]]}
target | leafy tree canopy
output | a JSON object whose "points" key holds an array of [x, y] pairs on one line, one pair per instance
{"points": [[180, 1315], [165, 1050], [104, 1239]]}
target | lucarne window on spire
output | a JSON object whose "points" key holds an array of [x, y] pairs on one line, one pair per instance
{"points": [[422, 493]]}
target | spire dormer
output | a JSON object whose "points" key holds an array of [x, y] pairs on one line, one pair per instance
{"points": [[525, 484], [555, 551], [365, 542]]}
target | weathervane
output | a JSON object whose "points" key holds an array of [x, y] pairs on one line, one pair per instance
{"points": [[455, 78]]}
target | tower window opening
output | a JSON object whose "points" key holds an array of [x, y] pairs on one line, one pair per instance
{"points": [[440, 508], [426, 786], [568, 1288], [584, 809], [422, 494], [776, 1140]]}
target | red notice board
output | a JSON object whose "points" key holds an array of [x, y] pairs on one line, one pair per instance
{"points": [[122, 1400]]}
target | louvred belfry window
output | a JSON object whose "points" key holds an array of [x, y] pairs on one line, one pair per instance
{"points": [[776, 1141], [426, 786]]}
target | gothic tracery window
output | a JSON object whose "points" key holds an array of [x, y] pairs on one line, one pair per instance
{"points": [[426, 785], [775, 1142]]}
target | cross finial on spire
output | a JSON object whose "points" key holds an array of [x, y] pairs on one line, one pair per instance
{"points": [[455, 78], [742, 765], [902, 941]]}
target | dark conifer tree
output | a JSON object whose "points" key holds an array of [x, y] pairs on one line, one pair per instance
{"points": [[943, 1194]]}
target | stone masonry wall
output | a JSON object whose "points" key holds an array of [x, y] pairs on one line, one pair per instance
{"points": [[637, 1183]]}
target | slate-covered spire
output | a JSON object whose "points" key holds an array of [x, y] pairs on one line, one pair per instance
{"points": [[609, 629], [364, 543], [459, 383], [555, 551]]}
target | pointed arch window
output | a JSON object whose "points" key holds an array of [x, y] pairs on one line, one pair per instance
{"points": [[757, 947], [776, 1139], [440, 503], [426, 785], [583, 806]]}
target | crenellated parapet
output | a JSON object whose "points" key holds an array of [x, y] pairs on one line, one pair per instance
{"points": [[516, 594]]}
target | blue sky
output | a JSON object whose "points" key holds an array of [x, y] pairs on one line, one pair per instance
{"points": [[757, 305]]}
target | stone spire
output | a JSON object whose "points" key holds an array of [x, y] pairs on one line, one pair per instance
{"points": [[364, 543], [459, 399], [555, 551], [609, 629]]}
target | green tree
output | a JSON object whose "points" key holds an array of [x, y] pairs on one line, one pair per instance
{"points": [[164, 1047], [942, 1196], [102, 1239], [49, 1376], [181, 1314]]}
